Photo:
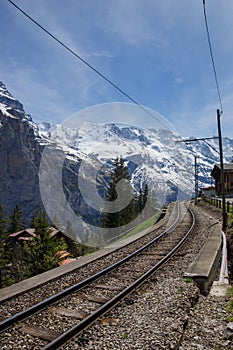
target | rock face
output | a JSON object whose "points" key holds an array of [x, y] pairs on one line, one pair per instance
{"points": [[8, 100], [21, 149], [20, 154]]}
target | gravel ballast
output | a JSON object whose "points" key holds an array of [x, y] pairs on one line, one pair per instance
{"points": [[167, 312]]}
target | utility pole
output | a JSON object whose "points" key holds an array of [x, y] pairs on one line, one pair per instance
{"points": [[196, 180], [196, 166], [224, 214]]}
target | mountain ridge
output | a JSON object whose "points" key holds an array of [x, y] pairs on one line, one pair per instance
{"points": [[154, 157]]}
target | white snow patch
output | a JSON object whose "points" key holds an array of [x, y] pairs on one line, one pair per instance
{"points": [[4, 109]]}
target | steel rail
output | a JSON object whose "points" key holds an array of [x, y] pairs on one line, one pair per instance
{"points": [[53, 299], [86, 322]]}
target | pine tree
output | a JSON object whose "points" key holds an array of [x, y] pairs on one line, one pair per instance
{"points": [[16, 223], [3, 234], [152, 203], [17, 270], [73, 245], [139, 201], [145, 196], [41, 253], [74, 248], [120, 216], [5, 250]]}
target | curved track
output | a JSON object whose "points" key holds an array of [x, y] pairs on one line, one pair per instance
{"points": [[52, 325]]}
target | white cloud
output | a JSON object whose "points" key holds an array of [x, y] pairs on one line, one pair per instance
{"points": [[129, 20], [150, 22], [169, 34], [49, 97]]}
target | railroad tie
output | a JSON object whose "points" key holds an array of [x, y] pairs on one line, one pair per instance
{"points": [[39, 332], [96, 299], [79, 314], [105, 286]]}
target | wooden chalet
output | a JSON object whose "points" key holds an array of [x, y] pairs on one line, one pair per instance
{"points": [[24, 235], [228, 178], [28, 234]]}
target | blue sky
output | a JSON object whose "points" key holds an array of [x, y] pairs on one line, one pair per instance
{"points": [[154, 50]]}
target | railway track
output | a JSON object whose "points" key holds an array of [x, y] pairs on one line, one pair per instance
{"points": [[52, 322], [21, 300]]}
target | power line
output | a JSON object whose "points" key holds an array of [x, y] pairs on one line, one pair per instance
{"points": [[87, 64], [219, 112], [211, 146], [199, 139], [212, 57]]}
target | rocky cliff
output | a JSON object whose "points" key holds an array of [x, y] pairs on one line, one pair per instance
{"points": [[20, 154], [21, 149]]}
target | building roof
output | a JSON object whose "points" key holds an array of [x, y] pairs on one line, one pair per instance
{"points": [[226, 166], [62, 254], [54, 231], [28, 233], [216, 171], [208, 188], [31, 232], [66, 261]]}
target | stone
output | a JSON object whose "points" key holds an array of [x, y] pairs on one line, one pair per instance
{"points": [[228, 334]]}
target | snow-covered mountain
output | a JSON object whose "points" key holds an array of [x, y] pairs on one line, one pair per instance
{"points": [[155, 156], [80, 155]]}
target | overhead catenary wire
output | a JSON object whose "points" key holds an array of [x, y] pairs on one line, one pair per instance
{"points": [[212, 57], [211, 146], [219, 112], [87, 64]]}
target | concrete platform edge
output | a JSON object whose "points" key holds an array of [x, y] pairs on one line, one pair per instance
{"points": [[204, 269]]}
